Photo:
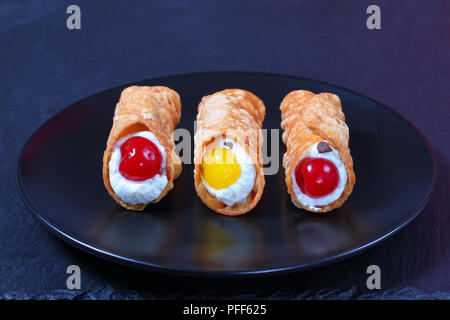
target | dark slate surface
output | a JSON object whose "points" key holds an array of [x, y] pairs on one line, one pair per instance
{"points": [[45, 67]]}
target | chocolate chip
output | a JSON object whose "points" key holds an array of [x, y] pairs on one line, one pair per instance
{"points": [[323, 147], [228, 144]]}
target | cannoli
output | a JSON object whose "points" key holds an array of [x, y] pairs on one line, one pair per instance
{"points": [[139, 163], [228, 174], [318, 165]]}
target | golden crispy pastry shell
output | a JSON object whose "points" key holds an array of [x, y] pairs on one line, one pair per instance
{"points": [[308, 118], [156, 109], [235, 114]]}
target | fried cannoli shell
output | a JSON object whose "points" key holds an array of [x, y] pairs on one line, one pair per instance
{"points": [[308, 118], [233, 114], [140, 108]]}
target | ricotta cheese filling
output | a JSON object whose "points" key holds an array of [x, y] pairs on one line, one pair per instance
{"points": [[315, 203], [137, 192], [239, 190]]}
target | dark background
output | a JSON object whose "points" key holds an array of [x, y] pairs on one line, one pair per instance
{"points": [[45, 67]]}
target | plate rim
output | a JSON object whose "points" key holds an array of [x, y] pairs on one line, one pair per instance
{"points": [[147, 266]]}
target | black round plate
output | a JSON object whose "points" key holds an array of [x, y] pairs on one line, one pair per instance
{"points": [[60, 178]]}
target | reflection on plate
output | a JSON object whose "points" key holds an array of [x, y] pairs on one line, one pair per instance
{"points": [[224, 241]]}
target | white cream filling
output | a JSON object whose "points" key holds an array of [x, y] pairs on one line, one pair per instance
{"points": [[137, 192], [238, 191], [314, 203]]}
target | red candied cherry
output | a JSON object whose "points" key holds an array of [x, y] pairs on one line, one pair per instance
{"points": [[316, 177], [141, 159]]}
